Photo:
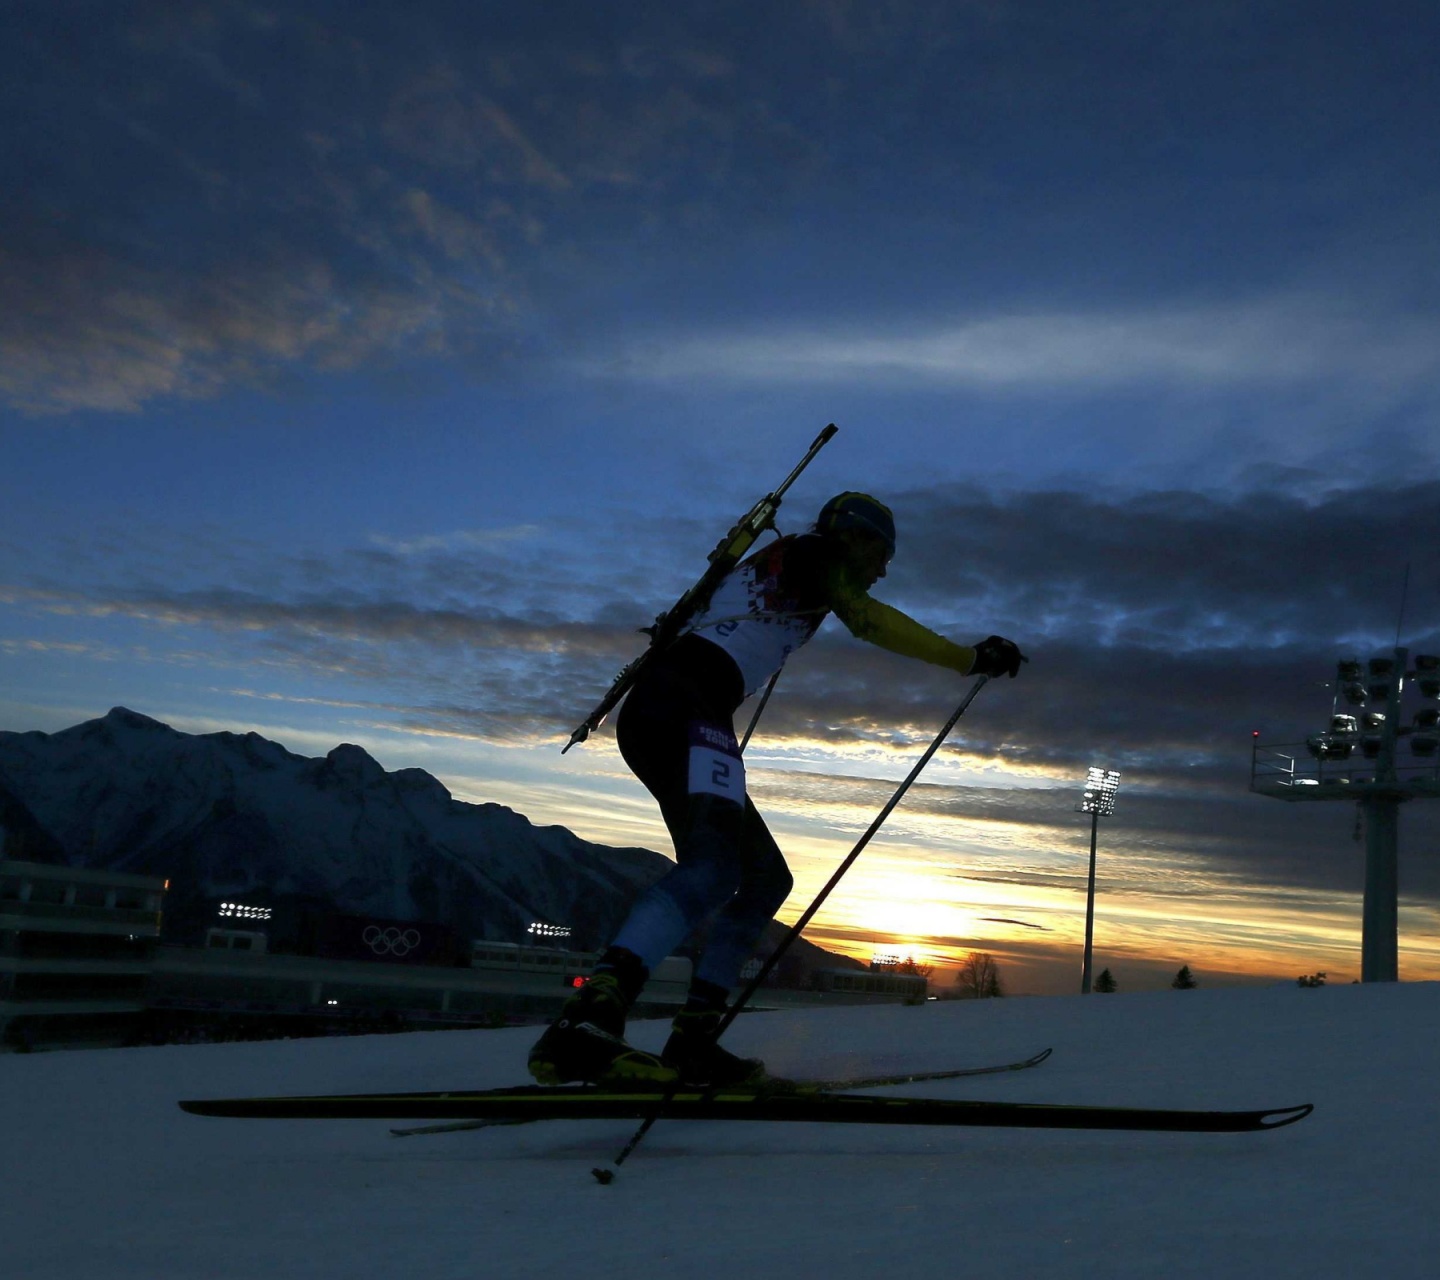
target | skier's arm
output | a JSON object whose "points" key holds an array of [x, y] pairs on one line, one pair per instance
{"points": [[880, 624]]}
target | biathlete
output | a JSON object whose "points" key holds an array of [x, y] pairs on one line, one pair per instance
{"points": [[676, 732]]}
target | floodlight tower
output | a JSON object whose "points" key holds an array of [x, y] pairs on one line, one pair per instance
{"points": [[1379, 786], [1099, 798]]}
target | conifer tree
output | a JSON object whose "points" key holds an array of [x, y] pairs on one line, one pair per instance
{"points": [[1106, 983], [1184, 980]]}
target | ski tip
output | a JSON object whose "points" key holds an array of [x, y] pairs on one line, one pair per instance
{"points": [[1281, 1116], [1039, 1058], [604, 1176]]}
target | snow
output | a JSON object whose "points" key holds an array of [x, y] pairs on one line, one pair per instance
{"points": [[105, 1177]]}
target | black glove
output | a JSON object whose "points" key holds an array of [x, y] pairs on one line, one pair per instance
{"points": [[996, 656]]}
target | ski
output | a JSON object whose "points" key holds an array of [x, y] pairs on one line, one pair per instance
{"points": [[915, 1077], [590, 1103], [668, 625], [830, 1086]]}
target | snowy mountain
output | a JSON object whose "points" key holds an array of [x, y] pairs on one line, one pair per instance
{"points": [[226, 816]]}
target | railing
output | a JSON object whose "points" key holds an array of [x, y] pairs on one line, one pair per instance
{"points": [[1293, 767], [117, 917]]}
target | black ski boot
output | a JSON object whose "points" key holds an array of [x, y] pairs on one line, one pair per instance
{"points": [[699, 1062], [586, 1042]]}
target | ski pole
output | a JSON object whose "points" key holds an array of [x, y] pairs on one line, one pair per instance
{"points": [[606, 1175], [795, 930], [764, 698]]}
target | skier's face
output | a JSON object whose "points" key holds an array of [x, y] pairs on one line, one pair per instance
{"points": [[868, 557]]}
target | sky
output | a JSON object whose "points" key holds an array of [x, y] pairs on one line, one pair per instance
{"points": [[371, 373]]}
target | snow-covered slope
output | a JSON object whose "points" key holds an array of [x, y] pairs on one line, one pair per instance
{"points": [[226, 815], [105, 1178]]}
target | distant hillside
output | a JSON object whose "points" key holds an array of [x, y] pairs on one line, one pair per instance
{"points": [[235, 816]]}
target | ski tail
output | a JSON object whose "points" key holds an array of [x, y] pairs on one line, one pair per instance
{"points": [[916, 1077]]}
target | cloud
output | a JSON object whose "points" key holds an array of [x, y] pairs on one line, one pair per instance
{"points": [[216, 195], [1162, 628], [461, 541], [82, 331], [1267, 342]]}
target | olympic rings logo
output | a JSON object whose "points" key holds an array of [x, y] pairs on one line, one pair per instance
{"points": [[391, 941]]}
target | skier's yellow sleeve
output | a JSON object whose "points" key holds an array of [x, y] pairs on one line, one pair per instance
{"points": [[877, 623]]}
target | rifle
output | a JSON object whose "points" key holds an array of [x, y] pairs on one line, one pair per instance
{"points": [[669, 625]]}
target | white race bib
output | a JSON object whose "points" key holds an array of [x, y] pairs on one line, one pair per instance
{"points": [[716, 768]]}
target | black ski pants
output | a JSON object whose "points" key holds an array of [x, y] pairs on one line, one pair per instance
{"points": [[676, 732]]}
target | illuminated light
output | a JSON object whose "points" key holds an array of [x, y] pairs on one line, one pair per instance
{"points": [[332, 1002], [1098, 801], [239, 911], [1343, 724], [542, 930], [1100, 788], [1374, 720]]}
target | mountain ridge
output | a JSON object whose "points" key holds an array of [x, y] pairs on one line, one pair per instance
{"points": [[226, 815]]}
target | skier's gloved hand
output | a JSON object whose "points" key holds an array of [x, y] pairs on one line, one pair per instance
{"points": [[996, 656]]}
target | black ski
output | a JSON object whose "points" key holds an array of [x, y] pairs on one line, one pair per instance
{"points": [[827, 1086], [589, 1103]]}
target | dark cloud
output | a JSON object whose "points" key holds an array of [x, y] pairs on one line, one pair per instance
{"points": [[216, 193], [205, 193], [1162, 628]]}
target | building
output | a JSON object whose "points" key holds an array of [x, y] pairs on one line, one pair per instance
{"points": [[81, 964], [234, 986], [77, 949], [875, 984]]}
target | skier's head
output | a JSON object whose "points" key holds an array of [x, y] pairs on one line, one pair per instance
{"points": [[863, 527]]}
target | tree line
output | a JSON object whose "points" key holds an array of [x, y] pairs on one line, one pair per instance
{"points": [[1184, 980]]}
